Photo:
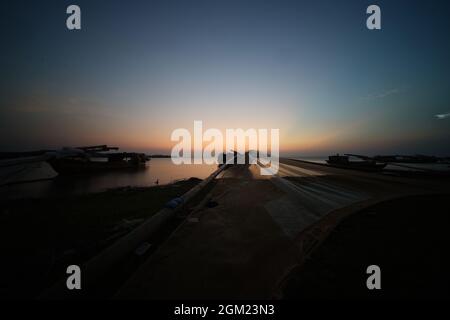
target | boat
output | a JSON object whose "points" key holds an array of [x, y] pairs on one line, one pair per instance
{"points": [[343, 161], [94, 159]]}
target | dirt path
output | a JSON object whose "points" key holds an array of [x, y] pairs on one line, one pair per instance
{"points": [[233, 250], [244, 247]]}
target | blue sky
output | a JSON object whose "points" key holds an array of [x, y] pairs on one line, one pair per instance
{"points": [[139, 69]]}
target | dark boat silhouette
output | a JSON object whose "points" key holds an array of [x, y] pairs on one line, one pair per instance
{"points": [[95, 159], [343, 161]]}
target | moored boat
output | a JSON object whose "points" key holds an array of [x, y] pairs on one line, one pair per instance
{"points": [[343, 161], [95, 159]]}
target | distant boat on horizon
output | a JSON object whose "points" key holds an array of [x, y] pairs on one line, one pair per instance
{"points": [[343, 161]]}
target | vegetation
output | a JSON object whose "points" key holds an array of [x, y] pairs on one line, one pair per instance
{"points": [[38, 235]]}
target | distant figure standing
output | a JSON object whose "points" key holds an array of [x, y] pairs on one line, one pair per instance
{"points": [[157, 181]]}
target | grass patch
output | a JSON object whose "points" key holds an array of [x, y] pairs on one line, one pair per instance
{"points": [[37, 236]]}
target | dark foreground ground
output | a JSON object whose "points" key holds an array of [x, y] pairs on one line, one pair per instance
{"points": [[244, 236], [407, 238], [39, 237]]}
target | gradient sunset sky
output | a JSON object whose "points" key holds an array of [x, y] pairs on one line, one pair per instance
{"points": [[139, 69]]}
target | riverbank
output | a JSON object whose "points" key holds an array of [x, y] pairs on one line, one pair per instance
{"points": [[407, 238], [40, 236], [159, 171]]}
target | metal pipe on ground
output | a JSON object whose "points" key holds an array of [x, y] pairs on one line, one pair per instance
{"points": [[96, 267]]}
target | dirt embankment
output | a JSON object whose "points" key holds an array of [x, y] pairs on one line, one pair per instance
{"points": [[407, 238]]}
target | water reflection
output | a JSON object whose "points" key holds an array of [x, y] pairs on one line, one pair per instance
{"points": [[157, 171]]}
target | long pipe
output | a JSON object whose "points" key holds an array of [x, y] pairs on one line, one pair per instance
{"points": [[96, 267]]}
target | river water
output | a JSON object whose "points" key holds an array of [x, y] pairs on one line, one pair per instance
{"points": [[157, 171]]}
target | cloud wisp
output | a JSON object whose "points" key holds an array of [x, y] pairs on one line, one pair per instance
{"points": [[442, 116]]}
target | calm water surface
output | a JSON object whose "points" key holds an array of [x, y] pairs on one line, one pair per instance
{"points": [[161, 171]]}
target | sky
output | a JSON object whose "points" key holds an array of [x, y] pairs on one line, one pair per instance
{"points": [[137, 70]]}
